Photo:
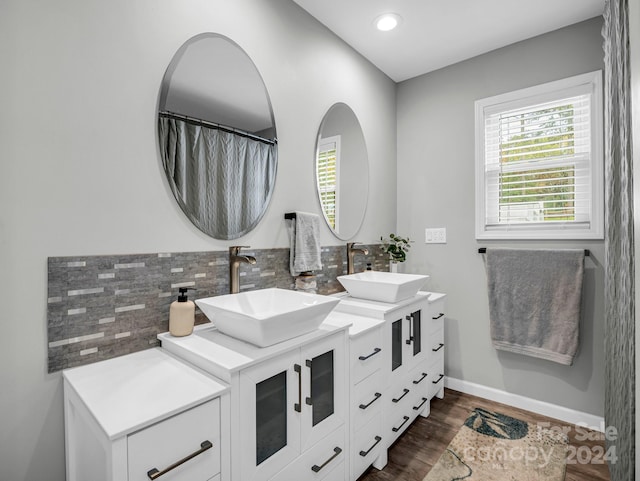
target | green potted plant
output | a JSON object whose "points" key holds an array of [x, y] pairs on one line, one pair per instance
{"points": [[396, 247]]}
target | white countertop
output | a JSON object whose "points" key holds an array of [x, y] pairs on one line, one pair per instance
{"points": [[379, 310], [222, 355], [131, 392], [357, 324]]}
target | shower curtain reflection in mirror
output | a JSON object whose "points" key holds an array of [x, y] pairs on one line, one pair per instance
{"points": [[222, 180]]}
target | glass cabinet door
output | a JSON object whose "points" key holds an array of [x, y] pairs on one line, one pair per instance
{"points": [[417, 332], [396, 344], [270, 417], [324, 389]]}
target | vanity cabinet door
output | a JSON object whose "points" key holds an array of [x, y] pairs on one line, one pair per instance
{"points": [[323, 390], [418, 322], [289, 404], [407, 334], [271, 398]]}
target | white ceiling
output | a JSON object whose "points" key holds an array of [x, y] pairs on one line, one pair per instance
{"points": [[437, 33]]}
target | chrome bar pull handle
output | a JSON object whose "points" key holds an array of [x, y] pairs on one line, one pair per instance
{"points": [[395, 430], [155, 473], [336, 451], [298, 406], [376, 396], [440, 346], [375, 351], [364, 453], [405, 392]]}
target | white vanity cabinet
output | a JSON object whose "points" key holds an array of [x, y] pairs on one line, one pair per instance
{"points": [[144, 416], [366, 393], [289, 407], [436, 346], [413, 360]]}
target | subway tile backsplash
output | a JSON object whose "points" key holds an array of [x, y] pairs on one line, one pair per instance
{"points": [[99, 307]]}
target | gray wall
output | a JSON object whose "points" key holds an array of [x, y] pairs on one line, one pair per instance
{"points": [[436, 189], [81, 174]]}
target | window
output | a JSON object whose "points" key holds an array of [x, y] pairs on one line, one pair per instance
{"points": [[539, 168], [328, 161]]}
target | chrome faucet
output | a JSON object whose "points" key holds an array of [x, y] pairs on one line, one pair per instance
{"points": [[234, 267], [351, 252]]}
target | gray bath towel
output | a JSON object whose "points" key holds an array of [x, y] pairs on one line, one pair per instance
{"points": [[304, 241], [534, 301]]}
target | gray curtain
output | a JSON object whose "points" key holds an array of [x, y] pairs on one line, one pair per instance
{"points": [[619, 409], [223, 181]]}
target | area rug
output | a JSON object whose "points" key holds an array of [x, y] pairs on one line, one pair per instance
{"points": [[494, 447]]}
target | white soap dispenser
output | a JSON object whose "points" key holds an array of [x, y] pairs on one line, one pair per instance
{"points": [[182, 314]]}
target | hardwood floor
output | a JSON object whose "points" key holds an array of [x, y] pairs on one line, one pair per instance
{"points": [[417, 450]]}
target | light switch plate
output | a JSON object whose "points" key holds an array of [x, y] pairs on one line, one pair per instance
{"points": [[435, 235]]}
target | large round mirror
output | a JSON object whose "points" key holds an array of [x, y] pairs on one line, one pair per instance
{"points": [[217, 136], [342, 171]]}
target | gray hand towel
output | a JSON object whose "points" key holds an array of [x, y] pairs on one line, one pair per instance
{"points": [[534, 301], [304, 241]]}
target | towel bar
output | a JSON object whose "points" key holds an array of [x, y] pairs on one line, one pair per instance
{"points": [[483, 250]]}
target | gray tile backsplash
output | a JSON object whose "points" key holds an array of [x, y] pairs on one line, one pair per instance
{"points": [[99, 307]]}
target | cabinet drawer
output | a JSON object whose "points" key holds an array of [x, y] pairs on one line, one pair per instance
{"points": [[400, 395], [436, 322], [367, 446], [397, 422], [195, 432], [366, 355], [436, 341], [436, 374], [366, 401], [325, 460], [421, 405], [419, 380], [399, 411], [436, 347]]}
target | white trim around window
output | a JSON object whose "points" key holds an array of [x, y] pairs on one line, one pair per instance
{"points": [[539, 162]]}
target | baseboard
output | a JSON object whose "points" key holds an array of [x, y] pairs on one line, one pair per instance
{"points": [[561, 413]]}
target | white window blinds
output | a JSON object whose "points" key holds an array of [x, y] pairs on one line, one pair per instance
{"points": [[327, 177], [539, 166]]}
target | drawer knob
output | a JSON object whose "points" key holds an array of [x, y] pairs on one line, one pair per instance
{"points": [[155, 474]]}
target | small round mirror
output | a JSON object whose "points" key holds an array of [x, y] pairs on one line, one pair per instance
{"points": [[217, 136], [342, 171]]}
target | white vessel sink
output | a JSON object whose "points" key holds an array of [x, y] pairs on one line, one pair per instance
{"points": [[267, 316], [382, 286]]}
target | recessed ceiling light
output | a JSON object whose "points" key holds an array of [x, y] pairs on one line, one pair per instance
{"points": [[388, 21]]}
